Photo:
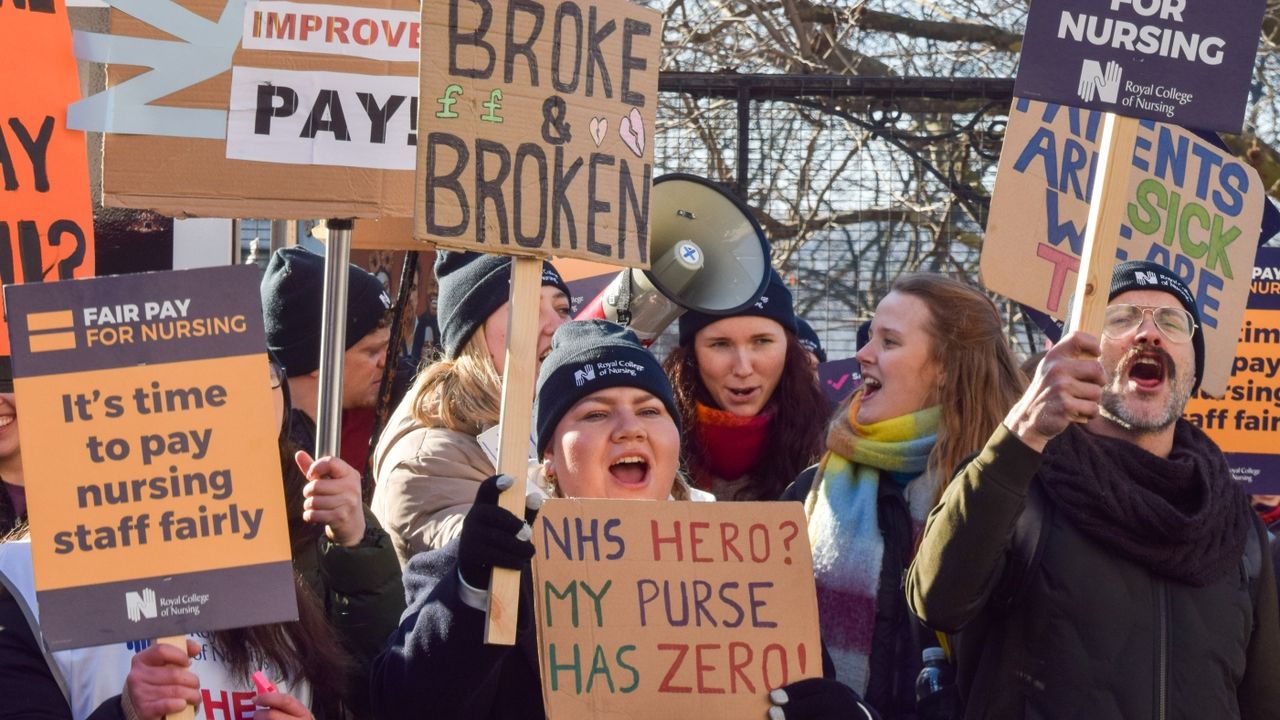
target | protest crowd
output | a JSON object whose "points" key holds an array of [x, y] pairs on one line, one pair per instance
{"points": [[517, 505]]}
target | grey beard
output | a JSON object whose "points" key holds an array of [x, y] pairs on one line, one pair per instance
{"points": [[1111, 406]]}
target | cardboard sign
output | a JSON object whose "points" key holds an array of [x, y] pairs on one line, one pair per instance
{"points": [[1190, 207], [1245, 422], [151, 459], [46, 221], [1184, 62], [672, 609], [257, 108], [537, 127]]}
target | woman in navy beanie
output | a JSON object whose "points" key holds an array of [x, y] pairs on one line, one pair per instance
{"points": [[606, 427], [752, 411], [429, 461]]}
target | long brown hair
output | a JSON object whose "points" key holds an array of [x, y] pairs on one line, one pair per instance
{"points": [[980, 375], [796, 433], [462, 394]]}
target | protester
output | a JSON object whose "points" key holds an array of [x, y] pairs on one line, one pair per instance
{"points": [[747, 397], [938, 376], [810, 341], [292, 299], [13, 496], [349, 600], [610, 435], [429, 460], [1141, 591]]}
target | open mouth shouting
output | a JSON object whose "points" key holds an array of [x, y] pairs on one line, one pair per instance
{"points": [[630, 471], [870, 386], [1149, 369]]}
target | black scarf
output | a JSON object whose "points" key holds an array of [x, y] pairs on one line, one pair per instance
{"points": [[1182, 517]]}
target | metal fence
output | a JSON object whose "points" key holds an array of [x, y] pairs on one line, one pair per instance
{"points": [[855, 180]]}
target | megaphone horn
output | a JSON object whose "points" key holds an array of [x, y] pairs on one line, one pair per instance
{"points": [[712, 257]]}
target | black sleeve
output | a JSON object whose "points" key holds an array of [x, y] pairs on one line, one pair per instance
{"points": [[27, 688], [798, 490]]}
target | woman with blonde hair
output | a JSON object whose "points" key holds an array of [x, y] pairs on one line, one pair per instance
{"points": [[938, 377], [430, 460]]}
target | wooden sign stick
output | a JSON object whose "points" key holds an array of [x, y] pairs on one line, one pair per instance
{"points": [[516, 422], [1102, 233], [180, 642]]}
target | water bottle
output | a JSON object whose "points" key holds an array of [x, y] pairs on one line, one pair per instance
{"points": [[935, 677]]}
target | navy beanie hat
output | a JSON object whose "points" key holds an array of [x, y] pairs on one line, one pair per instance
{"points": [[774, 304], [471, 287], [588, 356], [1144, 275], [809, 339], [292, 295]]}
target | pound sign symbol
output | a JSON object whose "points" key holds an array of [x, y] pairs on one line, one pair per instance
{"points": [[493, 106], [447, 100]]}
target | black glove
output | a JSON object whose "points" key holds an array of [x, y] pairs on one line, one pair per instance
{"points": [[819, 699], [491, 536]]}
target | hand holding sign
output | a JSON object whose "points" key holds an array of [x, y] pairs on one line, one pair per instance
{"points": [[159, 684], [332, 498], [1066, 388]]}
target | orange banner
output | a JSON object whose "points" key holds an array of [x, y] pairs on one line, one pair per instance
{"points": [[46, 214]]}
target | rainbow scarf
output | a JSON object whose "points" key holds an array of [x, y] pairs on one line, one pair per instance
{"points": [[848, 550]]}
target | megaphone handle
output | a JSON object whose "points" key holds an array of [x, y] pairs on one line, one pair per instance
{"points": [[624, 298]]}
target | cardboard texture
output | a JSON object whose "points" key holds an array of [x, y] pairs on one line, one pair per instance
{"points": [[46, 213], [1245, 421], [537, 125], [1189, 206], [672, 609], [330, 84], [153, 473], [1186, 62]]}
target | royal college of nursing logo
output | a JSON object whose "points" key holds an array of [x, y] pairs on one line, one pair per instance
{"points": [[1094, 80], [584, 376], [140, 605]]}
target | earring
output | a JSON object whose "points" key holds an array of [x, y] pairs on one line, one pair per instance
{"points": [[549, 480]]}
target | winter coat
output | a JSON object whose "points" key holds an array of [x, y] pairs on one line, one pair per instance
{"points": [[426, 481], [1090, 633]]}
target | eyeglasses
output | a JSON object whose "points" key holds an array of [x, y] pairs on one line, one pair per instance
{"points": [[277, 373], [1174, 323]]}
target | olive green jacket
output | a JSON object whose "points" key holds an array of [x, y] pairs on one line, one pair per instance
{"points": [[1090, 634]]}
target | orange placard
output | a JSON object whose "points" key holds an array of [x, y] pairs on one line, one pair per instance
{"points": [[672, 609], [46, 213]]}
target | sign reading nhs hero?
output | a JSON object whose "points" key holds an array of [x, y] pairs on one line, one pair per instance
{"points": [[1184, 62]]}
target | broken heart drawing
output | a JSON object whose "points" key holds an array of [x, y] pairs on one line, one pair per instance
{"points": [[631, 130], [599, 127]]}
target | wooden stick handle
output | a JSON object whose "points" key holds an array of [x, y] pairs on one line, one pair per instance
{"points": [[1106, 215], [180, 642], [516, 422]]}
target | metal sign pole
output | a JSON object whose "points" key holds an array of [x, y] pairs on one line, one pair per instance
{"points": [[333, 338]]}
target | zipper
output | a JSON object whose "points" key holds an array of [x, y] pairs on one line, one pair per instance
{"points": [[1162, 700]]}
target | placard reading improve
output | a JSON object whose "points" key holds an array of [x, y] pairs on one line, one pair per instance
{"points": [[1191, 207], [537, 127], [150, 453], [672, 609], [1245, 422], [46, 225]]}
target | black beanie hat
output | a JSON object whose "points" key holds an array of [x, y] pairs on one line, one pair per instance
{"points": [[1144, 275], [292, 296], [774, 304], [588, 356], [809, 339], [471, 287]]}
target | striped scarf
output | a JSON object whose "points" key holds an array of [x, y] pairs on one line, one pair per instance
{"points": [[844, 531]]}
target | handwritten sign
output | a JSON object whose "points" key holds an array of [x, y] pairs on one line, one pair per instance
{"points": [[46, 225], [153, 477], [1190, 206], [1245, 422], [1186, 62], [672, 609], [537, 127]]}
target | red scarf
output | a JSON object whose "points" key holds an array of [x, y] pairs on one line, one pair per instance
{"points": [[732, 445]]}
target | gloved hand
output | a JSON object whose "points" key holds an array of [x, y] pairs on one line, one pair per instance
{"points": [[818, 699], [491, 536]]}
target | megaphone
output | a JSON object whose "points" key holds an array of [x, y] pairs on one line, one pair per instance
{"points": [[711, 257]]}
